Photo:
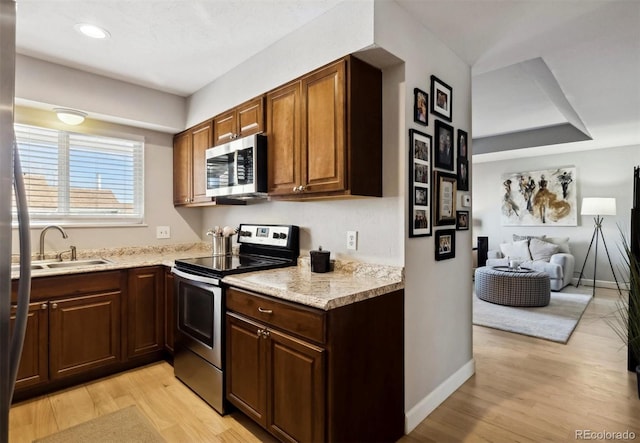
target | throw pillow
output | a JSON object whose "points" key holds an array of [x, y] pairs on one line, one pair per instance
{"points": [[517, 237], [517, 249], [542, 250], [563, 242]]}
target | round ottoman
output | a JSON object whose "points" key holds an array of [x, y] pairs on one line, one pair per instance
{"points": [[512, 287]]}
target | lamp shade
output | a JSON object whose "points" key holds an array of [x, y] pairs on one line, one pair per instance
{"points": [[70, 116], [598, 206]]}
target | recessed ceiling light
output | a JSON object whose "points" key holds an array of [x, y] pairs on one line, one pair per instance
{"points": [[92, 31]]}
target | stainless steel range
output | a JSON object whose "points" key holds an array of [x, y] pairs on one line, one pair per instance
{"points": [[199, 348]]}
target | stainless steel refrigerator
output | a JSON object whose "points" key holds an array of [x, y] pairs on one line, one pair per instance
{"points": [[10, 179]]}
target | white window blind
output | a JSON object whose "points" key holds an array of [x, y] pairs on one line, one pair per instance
{"points": [[79, 178]]}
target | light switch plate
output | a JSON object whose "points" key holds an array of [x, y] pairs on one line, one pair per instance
{"points": [[466, 200], [163, 232]]}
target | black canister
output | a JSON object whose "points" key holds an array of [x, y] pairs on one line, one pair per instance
{"points": [[320, 260]]}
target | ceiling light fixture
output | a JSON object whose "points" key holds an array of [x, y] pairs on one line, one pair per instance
{"points": [[70, 116], [92, 31]]}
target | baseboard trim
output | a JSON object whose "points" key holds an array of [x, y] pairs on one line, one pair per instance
{"points": [[428, 404], [600, 283]]}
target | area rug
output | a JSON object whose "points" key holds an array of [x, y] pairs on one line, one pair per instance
{"points": [[126, 425], [554, 322]]}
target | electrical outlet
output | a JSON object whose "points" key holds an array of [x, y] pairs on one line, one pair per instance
{"points": [[352, 240], [163, 232]]}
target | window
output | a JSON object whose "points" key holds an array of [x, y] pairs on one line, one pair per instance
{"points": [[79, 178]]}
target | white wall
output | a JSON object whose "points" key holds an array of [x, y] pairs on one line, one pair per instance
{"points": [[438, 336], [158, 158], [600, 173], [48, 85], [438, 342]]}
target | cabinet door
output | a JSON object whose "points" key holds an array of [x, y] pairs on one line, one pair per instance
{"points": [[323, 130], [145, 311], [170, 319], [201, 137], [250, 117], [296, 388], [84, 333], [224, 127], [283, 142], [182, 169], [245, 367], [34, 361]]}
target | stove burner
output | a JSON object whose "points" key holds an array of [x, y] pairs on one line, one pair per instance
{"points": [[216, 266]]}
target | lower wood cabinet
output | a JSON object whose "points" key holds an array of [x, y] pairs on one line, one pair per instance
{"points": [[310, 375], [170, 318], [34, 362], [145, 311], [84, 326], [276, 379]]}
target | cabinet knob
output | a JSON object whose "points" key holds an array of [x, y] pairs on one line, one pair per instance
{"points": [[43, 306], [303, 188], [265, 311], [260, 331], [54, 305], [265, 333]]}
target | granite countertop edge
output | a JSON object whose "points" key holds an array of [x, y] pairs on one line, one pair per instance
{"points": [[350, 281]]}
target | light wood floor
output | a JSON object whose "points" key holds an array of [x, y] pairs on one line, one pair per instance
{"points": [[524, 390]]}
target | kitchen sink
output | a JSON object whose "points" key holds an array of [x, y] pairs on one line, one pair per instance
{"points": [[43, 265], [77, 263]]}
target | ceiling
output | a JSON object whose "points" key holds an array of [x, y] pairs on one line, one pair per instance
{"points": [[536, 65]]}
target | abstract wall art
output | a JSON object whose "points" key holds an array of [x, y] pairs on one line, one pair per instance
{"points": [[539, 198]]}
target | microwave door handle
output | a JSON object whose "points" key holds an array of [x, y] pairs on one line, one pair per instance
{"points": [[235, 167]]}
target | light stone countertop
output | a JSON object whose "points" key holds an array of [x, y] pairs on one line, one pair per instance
{"points": [[350, 282]]}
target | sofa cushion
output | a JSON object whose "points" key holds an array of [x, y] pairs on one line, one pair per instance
{"points": [[516, 249], [542, 250], [563, 242], [517, 237]]}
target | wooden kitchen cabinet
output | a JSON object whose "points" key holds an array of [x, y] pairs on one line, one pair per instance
{"points": [[325, 133], [73, 330], [189, 165], [84, 333], [34, 361], [170, 317], [306, 374], [145, 311], [275, 378], [243, 120]]}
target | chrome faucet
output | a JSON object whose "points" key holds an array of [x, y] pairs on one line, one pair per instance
{"points": [[42, 234]]}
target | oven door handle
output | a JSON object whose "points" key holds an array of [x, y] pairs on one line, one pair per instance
{"points": [[193, 277]]}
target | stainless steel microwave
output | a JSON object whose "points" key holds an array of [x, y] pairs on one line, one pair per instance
{"points": [[238, 168]]}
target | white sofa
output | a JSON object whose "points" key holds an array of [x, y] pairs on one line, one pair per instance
{"points": [[546, 254]]}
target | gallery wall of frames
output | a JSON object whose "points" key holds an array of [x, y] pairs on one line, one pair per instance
{"points": [[438, 170]]}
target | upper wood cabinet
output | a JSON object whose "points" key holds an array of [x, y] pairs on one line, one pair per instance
{"points": [[189, 165], [325, 133], [243, 120]]}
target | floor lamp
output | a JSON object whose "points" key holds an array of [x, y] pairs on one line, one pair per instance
{"points": [[598, 207]]}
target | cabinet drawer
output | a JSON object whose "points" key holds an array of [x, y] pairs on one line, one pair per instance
{"points": [[296, 319]]}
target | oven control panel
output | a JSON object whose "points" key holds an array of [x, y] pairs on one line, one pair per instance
{"points": [[265, 235]]}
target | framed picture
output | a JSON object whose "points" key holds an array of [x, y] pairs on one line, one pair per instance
{"points": [[463, 174], [420, 106], [445, 244], [445, 198], [420, 155], [444, 146], [463, 137], [441, 98], [462, 220], [545, 197]]}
